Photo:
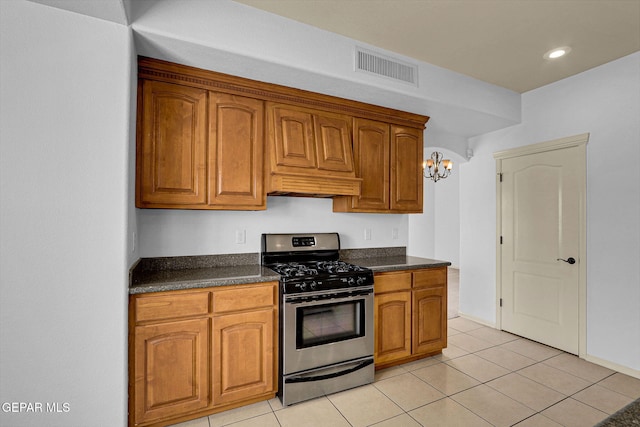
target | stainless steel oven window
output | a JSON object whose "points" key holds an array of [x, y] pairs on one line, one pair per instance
{"points": [[327, 323]]}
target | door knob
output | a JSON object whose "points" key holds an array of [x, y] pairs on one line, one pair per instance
{"points": [[570, 260]]}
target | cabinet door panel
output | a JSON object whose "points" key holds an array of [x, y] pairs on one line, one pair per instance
{"points": [[172, 152], [406, 169], [236, 133], [172, 369], [392, 325], [429, 320], [243, 357], [333, 142], [371, 151], [293, 133]]}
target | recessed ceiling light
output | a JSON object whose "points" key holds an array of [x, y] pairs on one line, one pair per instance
{"points": [[557, 52]]}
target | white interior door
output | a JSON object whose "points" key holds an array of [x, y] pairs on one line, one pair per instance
{"points": [[541, 197]]}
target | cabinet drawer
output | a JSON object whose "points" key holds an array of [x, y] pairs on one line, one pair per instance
{"points": [[390, 282], [244, 298], [430, 277], [171, 306]]}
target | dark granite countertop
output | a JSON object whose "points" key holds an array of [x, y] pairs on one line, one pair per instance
{"points": [[393, 263], [188, 272], [171, 280], [176, 273]]}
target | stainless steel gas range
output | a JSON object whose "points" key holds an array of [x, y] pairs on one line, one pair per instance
{"points": [[326, 316]]}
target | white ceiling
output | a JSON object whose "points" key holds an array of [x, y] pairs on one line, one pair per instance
{"points": [[498, 41]]}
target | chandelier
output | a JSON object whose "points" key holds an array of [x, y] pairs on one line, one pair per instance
{"points": [[436, 168]]}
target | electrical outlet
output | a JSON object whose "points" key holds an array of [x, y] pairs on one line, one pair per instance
{"points": [[241, 237], [367, 234]]}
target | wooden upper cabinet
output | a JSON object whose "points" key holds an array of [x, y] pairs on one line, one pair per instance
{"points": [[236, 128], [199, 149], [406, 169], [293, 141], [333, 142], [389, 161], [172, 145], [372, 153], [208, 140]]}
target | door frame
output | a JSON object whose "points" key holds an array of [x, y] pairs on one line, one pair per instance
{"points": [[579, 141]]}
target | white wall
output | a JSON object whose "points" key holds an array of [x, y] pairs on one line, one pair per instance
{"points": [[232, 38], [436, 232], [236, 39], [604, 102], [181, 232], [63, 254]]}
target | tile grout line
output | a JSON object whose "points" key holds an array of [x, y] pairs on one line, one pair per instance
{"points": [[536, 412], [536, 362], [590, 382], [340, 412]]}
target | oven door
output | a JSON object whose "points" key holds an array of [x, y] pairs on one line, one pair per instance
{"points": [[325, 328]]}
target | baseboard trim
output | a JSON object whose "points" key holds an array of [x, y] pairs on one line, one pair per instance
{"points": [[614, 366], [476, 319], [589, 358]]}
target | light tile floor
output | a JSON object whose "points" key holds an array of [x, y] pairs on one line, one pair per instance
{"points": [[485, 377]]}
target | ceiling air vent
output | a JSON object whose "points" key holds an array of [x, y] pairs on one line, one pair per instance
{"points": [[374, 63]]}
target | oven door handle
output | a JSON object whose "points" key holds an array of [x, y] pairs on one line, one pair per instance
{"points": [[324, 298], [301, 379]]}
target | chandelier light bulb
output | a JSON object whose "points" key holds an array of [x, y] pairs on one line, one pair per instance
{"points": [[436, 168]]}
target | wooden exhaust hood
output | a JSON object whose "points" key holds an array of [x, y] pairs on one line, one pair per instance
{"points": [[309, 153]]}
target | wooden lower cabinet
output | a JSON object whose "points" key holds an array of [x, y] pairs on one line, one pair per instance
{"points": [[429, 320], [193, 353], [410, 315], [172, 369], [242, 356], [392, 323]]}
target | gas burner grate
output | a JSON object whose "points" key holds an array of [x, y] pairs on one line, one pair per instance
{"points": [[294, 269], [314, 268]]}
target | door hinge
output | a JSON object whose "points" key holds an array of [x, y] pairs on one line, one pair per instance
{"points": [[500, 302], [500, 239], [500, 175]]}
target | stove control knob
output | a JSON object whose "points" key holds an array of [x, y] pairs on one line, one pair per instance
{"points": [[361, 280], [302, 286], [313, 285], [351, 281]]}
